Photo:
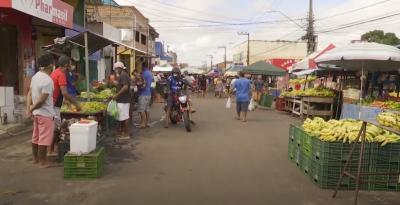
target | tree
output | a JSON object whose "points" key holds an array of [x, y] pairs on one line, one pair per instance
{"points": [[380, 36]]}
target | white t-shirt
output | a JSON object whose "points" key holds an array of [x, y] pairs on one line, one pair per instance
{"points": [[42, 83]]}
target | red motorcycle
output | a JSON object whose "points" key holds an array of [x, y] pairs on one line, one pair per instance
{"points": [[180, 111]]}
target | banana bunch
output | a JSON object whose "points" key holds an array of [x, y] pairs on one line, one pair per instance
{"points": [[346, 131], [389, 119]]}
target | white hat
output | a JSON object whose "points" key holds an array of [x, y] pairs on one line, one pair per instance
{"points": [[119, 65]]}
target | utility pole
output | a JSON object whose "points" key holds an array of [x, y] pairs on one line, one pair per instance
{"points": [[310, 35], [211, 61], [224, 47], [248, 45]]}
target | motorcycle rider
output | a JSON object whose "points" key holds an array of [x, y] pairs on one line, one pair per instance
{"points": [[176, 84]]}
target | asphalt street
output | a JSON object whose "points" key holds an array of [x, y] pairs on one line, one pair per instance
{"points": [[223, 161]]}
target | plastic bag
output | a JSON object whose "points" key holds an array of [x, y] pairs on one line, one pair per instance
{"points": [[251, 105], [228, 103], [112, 109]]}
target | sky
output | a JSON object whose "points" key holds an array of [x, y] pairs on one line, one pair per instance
{"points": [[195, 29]]}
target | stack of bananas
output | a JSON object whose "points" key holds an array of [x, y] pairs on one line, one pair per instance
{"points": [[346, 131], [389, 119]]}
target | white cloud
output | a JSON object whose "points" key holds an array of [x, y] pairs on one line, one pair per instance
{"points": [[194, 44]]}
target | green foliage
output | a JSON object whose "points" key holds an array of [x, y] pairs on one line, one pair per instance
{"points": [[380, 36]]}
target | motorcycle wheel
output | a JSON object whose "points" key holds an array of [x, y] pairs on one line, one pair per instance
{"points": [[186, 120]]}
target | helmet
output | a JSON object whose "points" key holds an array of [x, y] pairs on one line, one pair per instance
{"points": [[176, 70]]}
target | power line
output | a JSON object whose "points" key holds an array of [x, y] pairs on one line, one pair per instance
{"points": [[353, 10], [359, 23]]}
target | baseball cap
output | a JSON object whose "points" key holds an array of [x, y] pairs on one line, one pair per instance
{"points": [[119, 65]]}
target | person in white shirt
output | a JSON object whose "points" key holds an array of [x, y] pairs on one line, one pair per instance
{"points": [[40, 107]]}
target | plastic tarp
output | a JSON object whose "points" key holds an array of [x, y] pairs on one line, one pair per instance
{"points": [[264, 68], [309, 61], [366, 56], [162, 69], [366, 113]]}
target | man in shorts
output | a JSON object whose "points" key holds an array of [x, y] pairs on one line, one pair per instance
{"points": [[145, 97], [123, 98], [242, 87], [40, 107]]}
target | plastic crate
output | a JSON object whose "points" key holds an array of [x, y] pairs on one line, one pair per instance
{"points": [[306, 140], [335, 153], [294, 152], [305, 164], [87, 166], [326, 176], [390, 153], [280, 104], [384, 182], [295, 133]]}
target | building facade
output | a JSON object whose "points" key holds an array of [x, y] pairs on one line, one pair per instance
{"points": [[267, 50], [134, 29]]}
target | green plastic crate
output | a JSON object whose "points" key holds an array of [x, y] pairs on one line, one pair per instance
{"points": [[326, 176], [294, 152], [86, 166], [295, 133], [386, 182], [306, 140], [334, 153], [390, 153], [305, 164]]}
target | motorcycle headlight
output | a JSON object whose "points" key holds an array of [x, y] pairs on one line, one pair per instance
{"points": [[183, 99]]}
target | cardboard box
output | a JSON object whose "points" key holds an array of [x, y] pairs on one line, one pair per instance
{"points": [[6, 96]]}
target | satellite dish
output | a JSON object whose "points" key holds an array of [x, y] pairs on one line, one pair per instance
{"points": [[75, 54]]}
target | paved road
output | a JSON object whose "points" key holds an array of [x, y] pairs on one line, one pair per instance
{"points": [[223, 161]]}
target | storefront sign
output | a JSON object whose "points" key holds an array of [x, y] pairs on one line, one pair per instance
{"points": [[282, 63], [54, 11]]}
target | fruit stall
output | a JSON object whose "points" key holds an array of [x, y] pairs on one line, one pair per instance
{"points": [[310, 102], [321, 150], [361, 153]]}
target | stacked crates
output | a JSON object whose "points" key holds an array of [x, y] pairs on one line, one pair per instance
{"points": [[329, 160], [86, 166], [385, 159], [323, 162]]}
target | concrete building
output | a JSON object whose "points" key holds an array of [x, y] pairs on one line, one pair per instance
{"points": [[267, 50], [135, 32]]}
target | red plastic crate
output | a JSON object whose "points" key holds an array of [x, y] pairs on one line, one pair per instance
{"points": [[280, 104]]}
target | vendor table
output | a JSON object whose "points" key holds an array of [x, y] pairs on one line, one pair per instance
{"points": [[297, 107], [317, 106]]}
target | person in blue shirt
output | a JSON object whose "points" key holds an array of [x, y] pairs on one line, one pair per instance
{"points": [[242, 87], [145, 97]]}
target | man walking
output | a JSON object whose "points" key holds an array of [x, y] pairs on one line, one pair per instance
{"points": [[40, 107], [145, 97], [242, 87], [123, 98]]}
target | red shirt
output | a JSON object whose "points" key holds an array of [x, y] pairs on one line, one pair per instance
{"points": [[59, 79]]}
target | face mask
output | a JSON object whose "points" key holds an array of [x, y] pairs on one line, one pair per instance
{"points": [[73, 67], [175, 75]]}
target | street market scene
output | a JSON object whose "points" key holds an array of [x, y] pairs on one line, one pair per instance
{"points": [[200, 102]]}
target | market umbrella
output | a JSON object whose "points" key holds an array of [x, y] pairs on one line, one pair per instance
{"points": [[263, 68], [362, 56], [309, 61]]}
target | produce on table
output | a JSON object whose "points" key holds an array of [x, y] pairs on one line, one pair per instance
{"points": [[86, 107], [392, 105], [302, 80], [311, 92], [347, 131], [389, 119], [104, 94]]}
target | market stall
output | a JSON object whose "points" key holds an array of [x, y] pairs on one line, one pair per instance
{"points": [[265, 69], [353, 154]]}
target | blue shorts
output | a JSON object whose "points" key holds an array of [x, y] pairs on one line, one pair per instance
{"points": [[242, 106]]}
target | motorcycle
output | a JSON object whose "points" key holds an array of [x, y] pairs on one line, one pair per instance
{"points": [[180, 111]]}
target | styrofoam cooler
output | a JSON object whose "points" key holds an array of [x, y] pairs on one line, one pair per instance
{"points": [[83, 137]]}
